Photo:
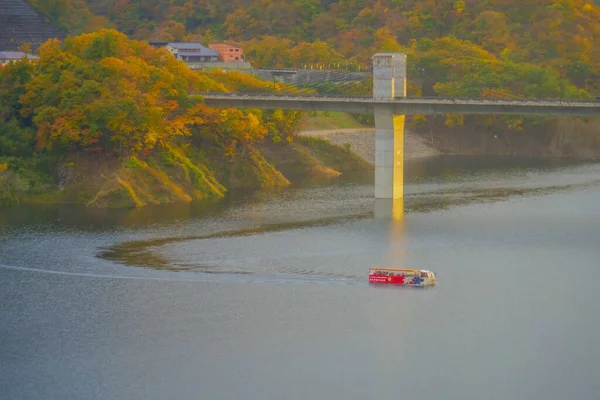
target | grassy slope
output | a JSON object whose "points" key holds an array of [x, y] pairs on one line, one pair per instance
{"points": [[312, 157], [176, 175], [179, 177]]}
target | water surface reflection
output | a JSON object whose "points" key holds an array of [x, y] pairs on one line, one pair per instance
{"points": [[476, 181], [264, 295]]}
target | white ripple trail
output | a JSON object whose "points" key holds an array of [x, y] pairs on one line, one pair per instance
{"points": [[90, 275], [252, 278]]}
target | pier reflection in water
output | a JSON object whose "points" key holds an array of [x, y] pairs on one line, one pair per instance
{"points": [[392, 209]]}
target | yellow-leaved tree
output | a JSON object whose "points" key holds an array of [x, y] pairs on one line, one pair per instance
{"points": [[104, 92]]}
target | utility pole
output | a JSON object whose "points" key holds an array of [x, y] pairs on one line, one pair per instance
{"points": [[576, 85], [562, 84], [453, 83]]}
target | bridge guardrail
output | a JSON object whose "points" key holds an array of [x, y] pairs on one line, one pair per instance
{"points": [[270, 94], [443, 100]]}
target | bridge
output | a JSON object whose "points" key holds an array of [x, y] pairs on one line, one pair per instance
{"points": [[404, 105], [390, 105]]}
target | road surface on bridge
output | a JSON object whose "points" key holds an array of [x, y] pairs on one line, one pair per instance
{"points": [[403, 106]]}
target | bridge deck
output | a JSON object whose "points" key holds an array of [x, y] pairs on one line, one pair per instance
{"points": [[403, 106]]}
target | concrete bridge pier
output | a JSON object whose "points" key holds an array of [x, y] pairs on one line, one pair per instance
{"points": [[389, 154], [389, 81], [389, 164]]}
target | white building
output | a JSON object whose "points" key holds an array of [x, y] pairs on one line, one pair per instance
{"points": [[192, 53], [197, 56], [8, 57]]}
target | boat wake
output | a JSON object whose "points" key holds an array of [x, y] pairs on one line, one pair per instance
{"points": [[200, 277]]}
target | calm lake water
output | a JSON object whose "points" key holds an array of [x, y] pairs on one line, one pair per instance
{"points": [[264, 295]]}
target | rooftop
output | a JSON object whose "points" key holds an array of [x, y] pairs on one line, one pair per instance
{"points": [[15, 55], [388, 54], [158, 44], [224, 44], [204, 52], [186, 46]]}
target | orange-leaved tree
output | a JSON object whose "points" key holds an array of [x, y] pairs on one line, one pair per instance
{"points": [[104, 92]]}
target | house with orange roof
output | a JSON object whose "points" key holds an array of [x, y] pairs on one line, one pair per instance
{"points": [[192, 52], [228, 52], [197, 56]]}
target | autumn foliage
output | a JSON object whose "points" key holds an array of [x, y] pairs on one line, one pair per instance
{"points": [[560, 34], [101, 92], [133, 107]]}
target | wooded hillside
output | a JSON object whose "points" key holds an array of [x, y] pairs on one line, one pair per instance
{"points": [[117, 117], [560, 34], [126, 103]]}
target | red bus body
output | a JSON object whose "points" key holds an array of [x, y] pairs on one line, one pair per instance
{"points": [[405, 277]]}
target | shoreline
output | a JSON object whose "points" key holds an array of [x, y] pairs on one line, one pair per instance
{"points": [[362, 142]]}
